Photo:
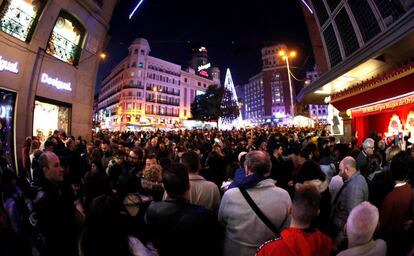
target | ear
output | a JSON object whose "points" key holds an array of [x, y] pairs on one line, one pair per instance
{"points": [[290, 210]]}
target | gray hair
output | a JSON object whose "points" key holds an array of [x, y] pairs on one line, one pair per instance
{"points": [[258, 162], [44, 159], [361, 224], [368, 142]]}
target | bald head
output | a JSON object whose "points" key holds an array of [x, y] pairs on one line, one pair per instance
{"points": [[258, 162], [361, 224], [347, 167]]}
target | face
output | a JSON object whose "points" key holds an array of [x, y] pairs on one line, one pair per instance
{"points": [[54, 171], [150, 162], [370, 150], [119, 159], [343, 171], [94, 168], [133, 158], [105, 148]]}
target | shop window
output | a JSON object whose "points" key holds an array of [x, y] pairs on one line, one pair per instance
{"points": [[66, 39], [19, 17], [7, 111], [49, 117]]}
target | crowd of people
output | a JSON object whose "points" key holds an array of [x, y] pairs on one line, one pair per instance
{"points": [[260, 191]]}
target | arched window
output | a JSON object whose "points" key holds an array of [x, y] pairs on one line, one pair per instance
{"points": [[66, 39], [18, 18]]}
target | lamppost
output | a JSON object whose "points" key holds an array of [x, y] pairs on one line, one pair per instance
{"points": [[285, 56]]}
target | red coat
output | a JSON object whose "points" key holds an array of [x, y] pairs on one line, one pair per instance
{"points": [[298, 242]]}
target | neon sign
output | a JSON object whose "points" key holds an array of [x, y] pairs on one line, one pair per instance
{"points": [[203, 73], [8, 66], [206, 66], [56, 82]]}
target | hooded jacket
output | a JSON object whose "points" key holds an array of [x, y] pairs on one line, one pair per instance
{"points": [[298, 242]]}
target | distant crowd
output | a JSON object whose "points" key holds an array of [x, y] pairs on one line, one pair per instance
{"points": [[261, 191]]}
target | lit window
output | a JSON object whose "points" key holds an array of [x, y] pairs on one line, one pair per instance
{"points": [[18, 17], [66, 39], [140, 65]]}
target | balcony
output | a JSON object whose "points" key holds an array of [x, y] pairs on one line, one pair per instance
{"points": [[164, 71], [170, 92], [63, 49], [164, 102], [131, 98], [159, 114], [135, 86], [16, 22]]}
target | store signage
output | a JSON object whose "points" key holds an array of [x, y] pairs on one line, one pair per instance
{"points": [[56, 82], [202, 67], [383, 106], [6, 65], [203, 73], [5, 111]]}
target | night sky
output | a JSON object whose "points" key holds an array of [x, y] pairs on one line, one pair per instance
{"points": [[234, 31]]}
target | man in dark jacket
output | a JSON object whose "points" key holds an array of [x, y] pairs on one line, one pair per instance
{"points": [[54, 211], [181, 228]]}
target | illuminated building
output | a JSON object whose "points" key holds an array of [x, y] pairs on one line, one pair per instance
{"points": [[267, 94], [369, 50], [318, 112], [201, 64], [144, 91], [49, 59]]}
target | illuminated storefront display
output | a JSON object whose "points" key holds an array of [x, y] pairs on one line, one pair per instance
{"points": [[18, 17], [7, 106], [56, 82], [389, 117], [64, 43], [49, 117]]}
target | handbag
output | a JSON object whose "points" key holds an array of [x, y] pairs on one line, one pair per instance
{"points": [[259, 213]]}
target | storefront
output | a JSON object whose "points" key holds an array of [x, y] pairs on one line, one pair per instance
{"points": [[383, 105], [388, 118], [50, 115]]}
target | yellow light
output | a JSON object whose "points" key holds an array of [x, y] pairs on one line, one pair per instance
{"points": [[154, 89], [292, 54], [102, 56], [282, 53]]}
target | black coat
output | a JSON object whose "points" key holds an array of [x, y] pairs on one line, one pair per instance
{"points": [[181, 228], [55, 214]]}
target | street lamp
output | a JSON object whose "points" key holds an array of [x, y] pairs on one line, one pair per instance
{"points": [[284, 55]]}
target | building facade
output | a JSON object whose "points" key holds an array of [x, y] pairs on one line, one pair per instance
{"points": [[49, 59], [370, 78], [144, 91], [318, 112], [268, 94]]}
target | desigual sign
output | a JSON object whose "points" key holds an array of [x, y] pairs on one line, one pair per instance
{"points": [[6, 65], [56, 82]]}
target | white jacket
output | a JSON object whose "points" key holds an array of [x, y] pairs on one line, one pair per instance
{"points": [[245, 231]]}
